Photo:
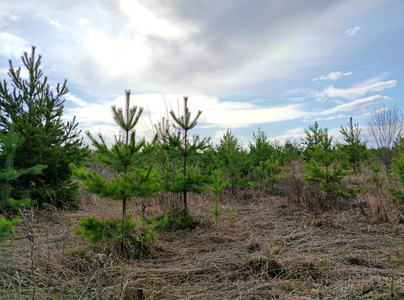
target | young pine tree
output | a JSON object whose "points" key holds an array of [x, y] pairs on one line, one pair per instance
{"points": [[179, 145], [267, 159], [354, 146], [34, 110], [325, 169], [233, 161], [267, 175], [128, 159], [314, 137], [217, 188]]}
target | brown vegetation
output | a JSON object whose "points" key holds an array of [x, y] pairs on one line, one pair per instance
{"points": [[262, 248]]}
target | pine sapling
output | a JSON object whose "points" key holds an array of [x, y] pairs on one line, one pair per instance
{"points": [[218, 187], [354, 146], [325, 169], [128, 159], [189, 181]]}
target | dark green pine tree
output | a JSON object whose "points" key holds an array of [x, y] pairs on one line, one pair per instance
{"points": [[127, 158], [190, 180], [233, 161], [354, 146], [326, 169], [35, 112], [10, 142], [314, 137]]}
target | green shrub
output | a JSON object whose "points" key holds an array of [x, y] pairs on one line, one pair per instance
{"points": [[139, 237], [398, 169], [326, 167], [170, 222], [6, 227]]}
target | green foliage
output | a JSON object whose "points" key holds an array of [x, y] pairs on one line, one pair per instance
{"points": [[325, 169], [10, 142], [128, 159], [267, 159], [261, 150], [218, 187], [267, 175], [314, 138], [293, 151], [6, 227], [17, 204], [178, 145], [35, 111], [139, 237], [170, 222], [354, 146], [194, 182], [141, 183], [95, 230], [398, 169], [219, 184], [233, 161]]}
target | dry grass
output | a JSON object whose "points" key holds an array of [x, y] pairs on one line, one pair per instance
{"points": [[268, 248]]}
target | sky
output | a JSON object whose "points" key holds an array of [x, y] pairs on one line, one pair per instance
{"points": [[272, 65]]}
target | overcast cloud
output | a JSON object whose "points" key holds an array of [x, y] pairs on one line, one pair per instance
{"points": [[235, 59]]}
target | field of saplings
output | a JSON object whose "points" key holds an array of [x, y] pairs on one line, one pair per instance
{"points": [[180, 217]]}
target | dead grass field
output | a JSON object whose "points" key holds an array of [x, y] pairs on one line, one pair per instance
{"points": [[267, 248]]}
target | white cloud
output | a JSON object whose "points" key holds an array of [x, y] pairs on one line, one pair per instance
{"points": [[8, 13], [84, 22], [332, 76], [359, 90], [352, 31], [335, 133], [55, 23], [359, 103], [12, 46], [238, 118], [3, 72], [298, 134], [328, 118], [295, 134], [215, 113], [146, 22]]}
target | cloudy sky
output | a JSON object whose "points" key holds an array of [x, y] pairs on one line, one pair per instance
{"points": [[247, 64]]}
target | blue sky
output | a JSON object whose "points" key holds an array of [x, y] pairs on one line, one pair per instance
{"points": [[274, 65]]}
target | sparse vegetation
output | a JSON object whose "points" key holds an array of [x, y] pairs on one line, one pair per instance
{"points": [[302, 224]]}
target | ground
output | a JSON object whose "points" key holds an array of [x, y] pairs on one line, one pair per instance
{"points": [[261, 248]]}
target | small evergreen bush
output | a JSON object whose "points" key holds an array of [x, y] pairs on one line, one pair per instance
{"points": [[169, 222], [139, 237], [6, 227]]}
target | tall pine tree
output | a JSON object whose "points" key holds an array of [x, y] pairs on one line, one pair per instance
{"points": [[34, 110]]}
